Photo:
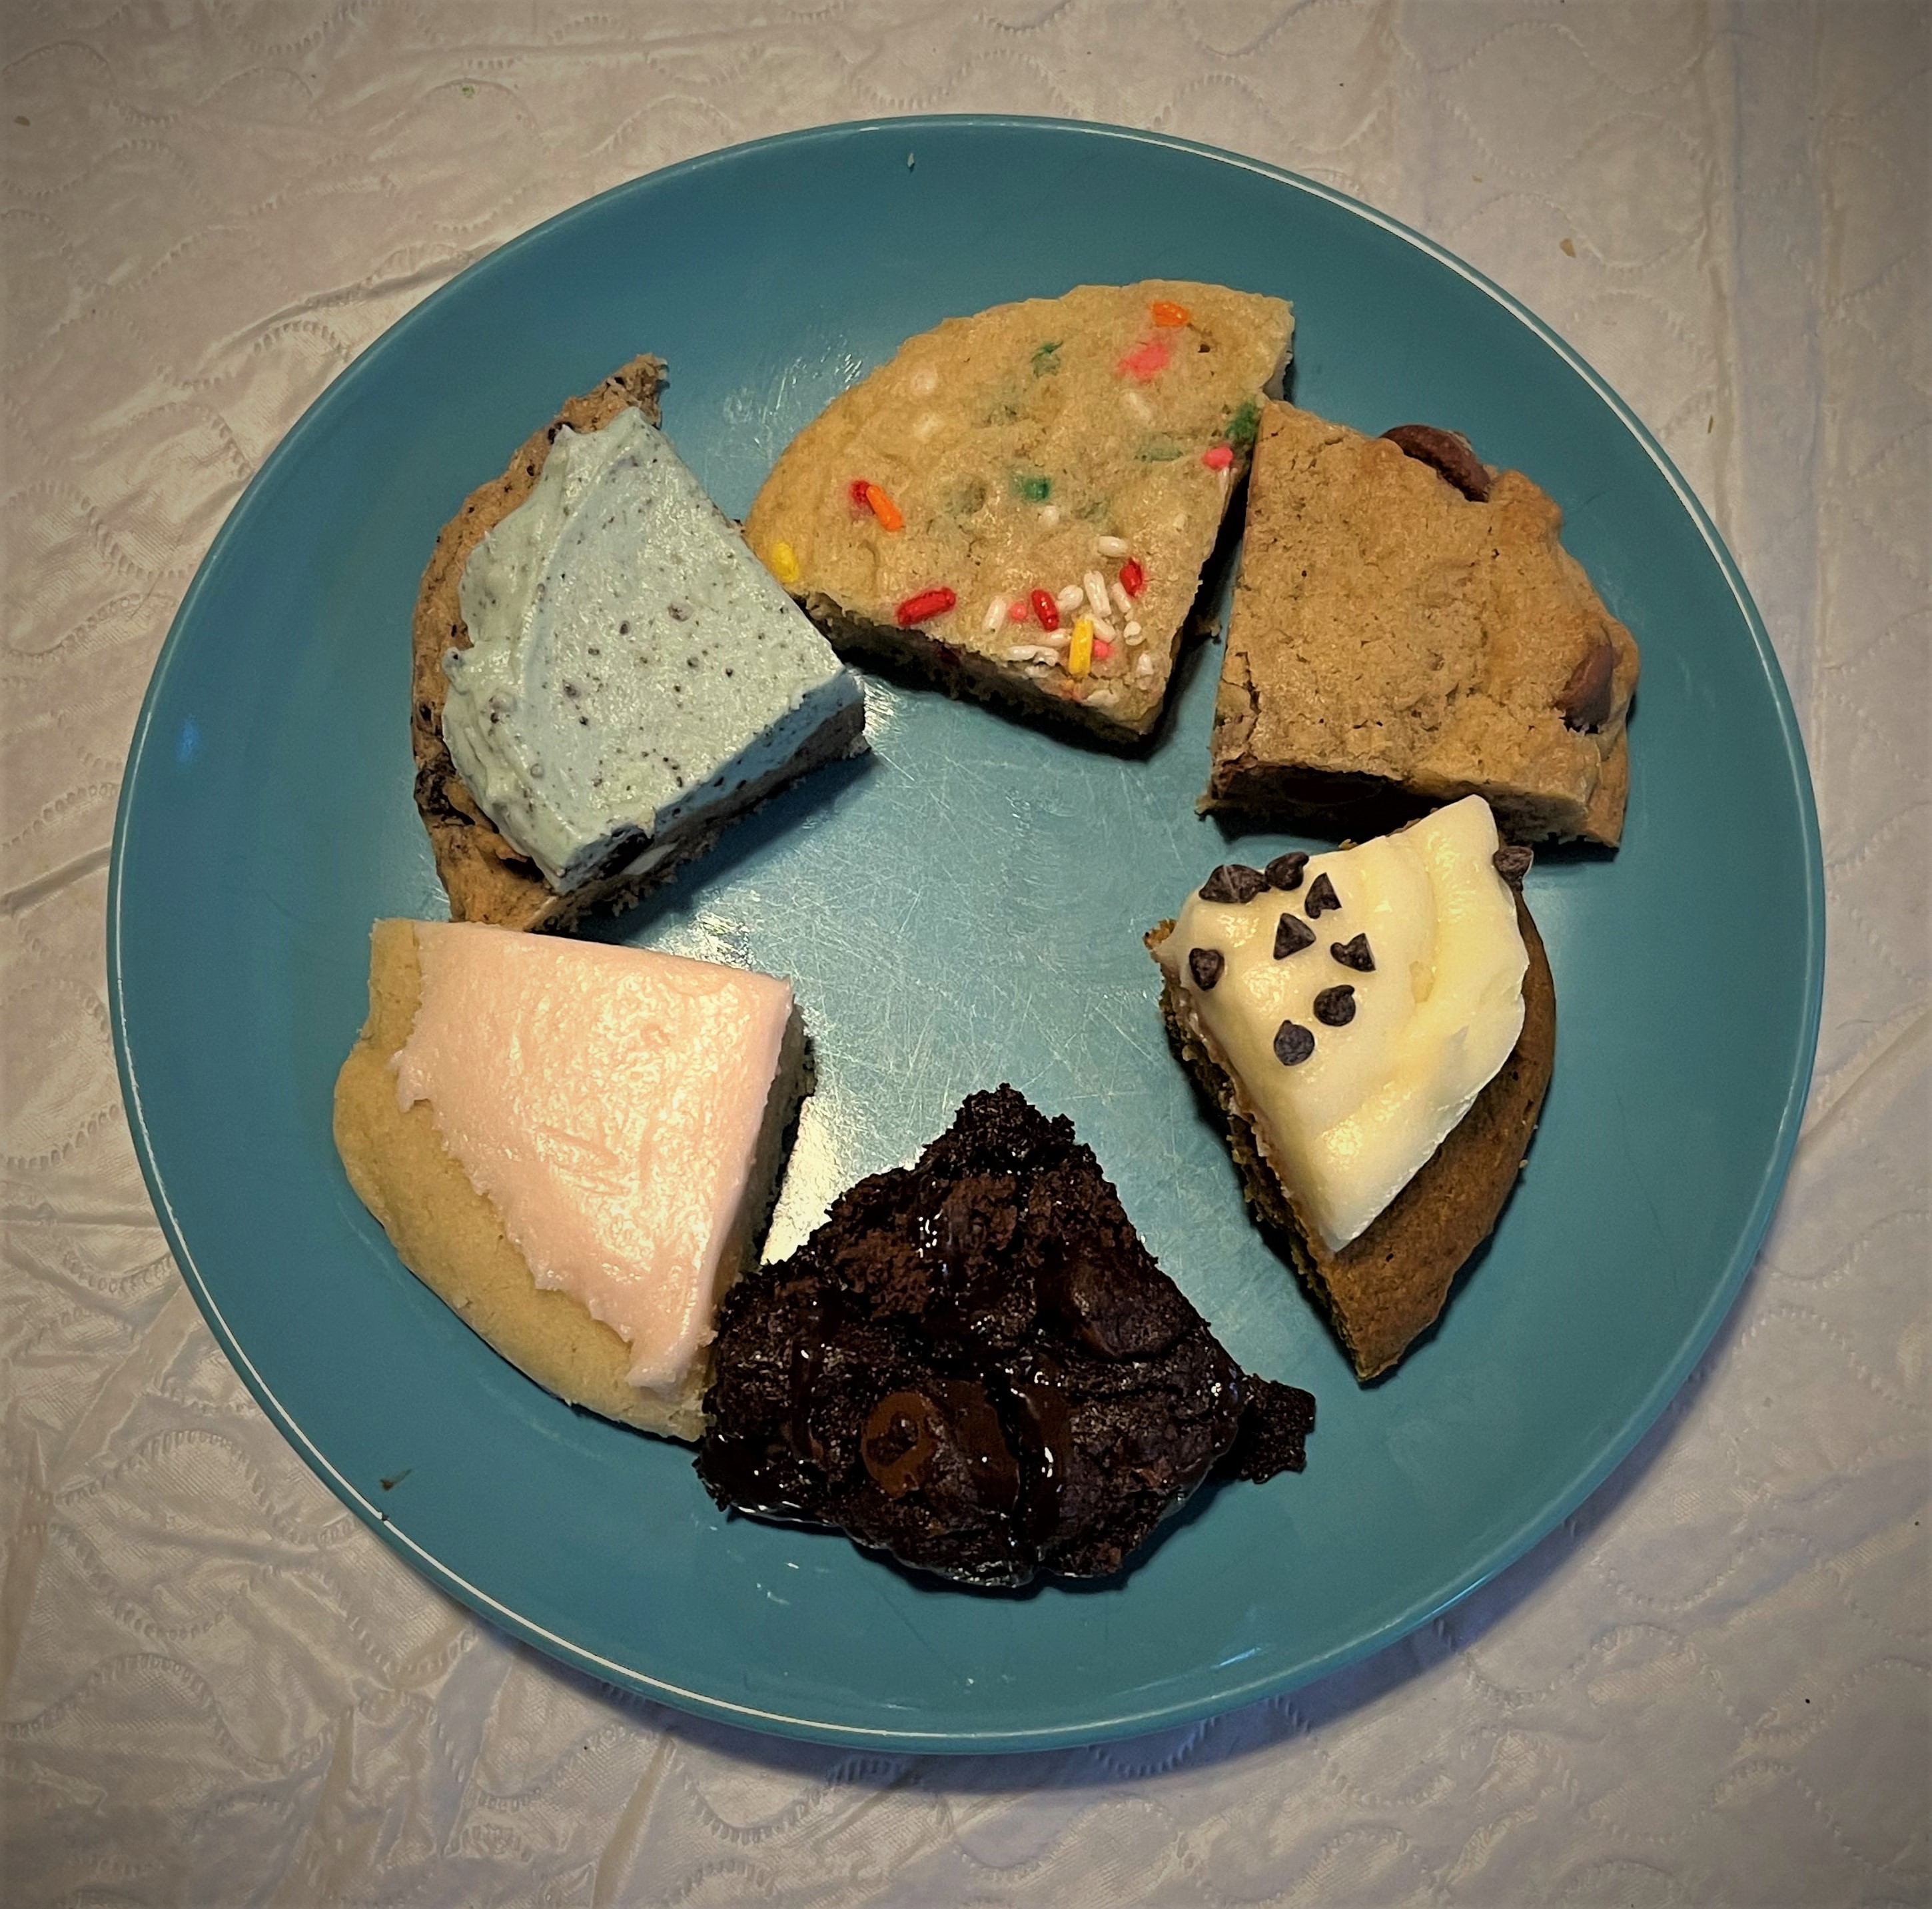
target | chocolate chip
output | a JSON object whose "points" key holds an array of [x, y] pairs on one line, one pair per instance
{"points": [[1293, 1044], [1335, 1007], [1512, 863], [1205, 965], [1233, 882], [899, 1440], [1586, 699], [1448, 453], [1285, 871], [1354, 953], [1290, 937], [1320, 895]]}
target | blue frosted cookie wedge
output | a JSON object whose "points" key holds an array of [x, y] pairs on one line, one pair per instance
{"points": [[604, 675]]}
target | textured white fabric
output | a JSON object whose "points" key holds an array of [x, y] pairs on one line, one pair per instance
{"points": [[1710, 1685]]}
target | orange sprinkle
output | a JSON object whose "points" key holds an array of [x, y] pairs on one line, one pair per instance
{"points": [[1165, 313], [883, 508]]}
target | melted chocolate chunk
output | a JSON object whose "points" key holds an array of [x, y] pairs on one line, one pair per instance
{"points": [[1335, 1007], [1512, 862], [1293, 1043], [1320, 895], [1290, 937], [975, 1366], [1233, 882], [1448, 453], [1285, 872], [1355, 953], [1205, 965]]}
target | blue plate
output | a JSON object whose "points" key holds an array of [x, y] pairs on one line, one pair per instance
{"points": [[966, 909]]}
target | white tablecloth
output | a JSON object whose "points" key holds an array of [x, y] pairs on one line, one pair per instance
{"points": [[1710, 1685]]}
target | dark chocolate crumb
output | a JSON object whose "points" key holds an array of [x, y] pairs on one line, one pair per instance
{"points": [[623, 629], [1512, 863], [1355, 953], [1290, 937], [1293, 1043], [680, 613], [1233, 882], [1285, 871], [1335, 1007], [1205, 965], [1320, 895]]}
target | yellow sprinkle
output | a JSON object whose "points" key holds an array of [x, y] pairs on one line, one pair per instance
{"points": [[1080, 651], [785, 564]]}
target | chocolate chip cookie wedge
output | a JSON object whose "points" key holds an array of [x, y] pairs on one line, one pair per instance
{"points": [[605, 676], [1019, 505], [1408, 629], [1376, 1026], [975, 1367]]}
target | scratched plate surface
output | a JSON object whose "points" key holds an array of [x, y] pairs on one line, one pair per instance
{"points": [[962, 907]]}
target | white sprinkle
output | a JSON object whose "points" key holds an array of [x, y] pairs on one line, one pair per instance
{"points": [[1138, 404], [1096, 593], [1144, 667], [1049, 513], [924, 381], [1122, 602], [925, 425], [1222, 474], [1070, 599], [1131, 631], [1111, 546], [1181, 520], [996, 612], [1104, 699], [1029, 652], [1104, 630]]}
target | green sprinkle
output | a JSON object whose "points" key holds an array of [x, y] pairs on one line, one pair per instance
{"points": [[1246, 421], [469, 92], [1044, 360], [1032, 490], [1158, 451]]}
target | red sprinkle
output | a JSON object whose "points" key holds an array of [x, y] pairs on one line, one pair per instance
{"points": [[1017, 611], [1133, 578], [927, 603], [1144, 360], [1046, 610], [859, 486], [1103, 649], [1217, 456]]}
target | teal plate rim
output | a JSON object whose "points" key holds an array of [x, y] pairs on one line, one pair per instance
{"points": [[1234, 1692]]}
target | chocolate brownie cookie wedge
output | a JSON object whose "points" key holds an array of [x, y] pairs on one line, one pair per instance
{"points": [[976, 1366], [1408, 629], [1020, 504]]}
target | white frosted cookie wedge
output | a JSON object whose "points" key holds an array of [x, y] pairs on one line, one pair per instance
{"points": [[1377, 1024], [604, 675], [576, 1146], [1020, 503]]}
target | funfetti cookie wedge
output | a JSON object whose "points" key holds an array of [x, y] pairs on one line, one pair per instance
{"points": [[1020, 504], [1376, 1026], [604, 676]]}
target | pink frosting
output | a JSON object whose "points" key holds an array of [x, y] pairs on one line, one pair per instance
{"points": [[607, 1103]]}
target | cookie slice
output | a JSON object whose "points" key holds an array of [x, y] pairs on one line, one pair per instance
{"points": [[575, 1146], [1020, 504], [604, 677], [975, 1367], [1408, 629], [1376, 1026]]}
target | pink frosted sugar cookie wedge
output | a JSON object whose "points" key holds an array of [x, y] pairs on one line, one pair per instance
{"points": [[575, 1146]]}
